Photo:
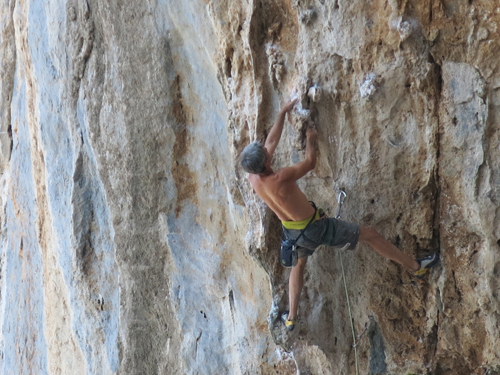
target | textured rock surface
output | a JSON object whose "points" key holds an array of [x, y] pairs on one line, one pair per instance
{"points": [[131, 241]]}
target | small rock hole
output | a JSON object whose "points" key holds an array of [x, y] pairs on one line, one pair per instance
{"points": [[398, 241], [498, 243], [496, 270], [372, 201], [231, 299], [455, 121], [100, 301], [229, 63]]}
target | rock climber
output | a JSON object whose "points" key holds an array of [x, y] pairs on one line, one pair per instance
{"points": [[280, 192]]}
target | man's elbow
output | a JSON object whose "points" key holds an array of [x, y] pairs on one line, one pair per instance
{"points": [[311, 164], [270, 143]]}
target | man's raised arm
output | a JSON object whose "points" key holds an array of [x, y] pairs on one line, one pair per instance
{"points": [[275, 134], [311, 138]]}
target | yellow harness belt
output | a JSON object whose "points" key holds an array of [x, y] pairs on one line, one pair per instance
{"points": [[302, 223]]}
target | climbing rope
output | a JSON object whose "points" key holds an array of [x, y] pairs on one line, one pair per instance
{"points": [[341, 198], [350, 314]]}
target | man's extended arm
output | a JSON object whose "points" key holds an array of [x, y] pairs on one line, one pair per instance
{"points": [[298, 170], [275, 134]]}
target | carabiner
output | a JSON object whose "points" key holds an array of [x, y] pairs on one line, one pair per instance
{"points": [[340, 201]]}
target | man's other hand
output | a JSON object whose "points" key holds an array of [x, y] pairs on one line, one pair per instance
{"points": [[288, 105]]}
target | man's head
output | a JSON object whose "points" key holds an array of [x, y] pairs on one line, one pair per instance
{"points": [[253, 158]]}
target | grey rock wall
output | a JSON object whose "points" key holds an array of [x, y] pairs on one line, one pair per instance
{"points": [[131, 241]]}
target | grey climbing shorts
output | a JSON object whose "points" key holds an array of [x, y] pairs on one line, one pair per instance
{"points": [[327, 231]]}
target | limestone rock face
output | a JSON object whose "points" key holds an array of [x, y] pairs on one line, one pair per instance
{"points": [[132, 242]]}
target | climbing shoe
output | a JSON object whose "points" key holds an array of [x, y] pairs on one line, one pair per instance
{"points": [[289, 324], [426, 263]]}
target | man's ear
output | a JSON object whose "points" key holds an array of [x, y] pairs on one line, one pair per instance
{"points": [[267, 163]]}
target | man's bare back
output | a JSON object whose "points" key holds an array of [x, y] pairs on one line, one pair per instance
{"points": [[282, 195]]}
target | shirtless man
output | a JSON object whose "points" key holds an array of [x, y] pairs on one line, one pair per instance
{"points": [[282, 195]]}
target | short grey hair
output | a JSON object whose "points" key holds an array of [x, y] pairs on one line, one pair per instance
{"points": [[253, 158]]}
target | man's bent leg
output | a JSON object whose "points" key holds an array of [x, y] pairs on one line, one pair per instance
{"points": [[295, 283], [373, 238]]}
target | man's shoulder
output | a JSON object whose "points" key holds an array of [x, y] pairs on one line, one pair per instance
{"points": [[261, 180], [255, 180], [284, 174]]}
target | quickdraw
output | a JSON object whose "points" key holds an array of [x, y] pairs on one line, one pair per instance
{"points": [[367, 325], [340, 201]]}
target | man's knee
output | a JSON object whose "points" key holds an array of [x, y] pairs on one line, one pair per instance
{"points": [[301, 262], [368, 233]]}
